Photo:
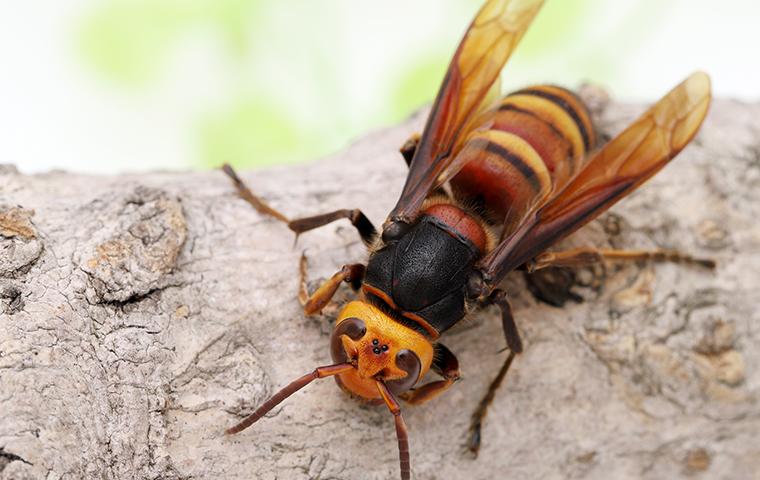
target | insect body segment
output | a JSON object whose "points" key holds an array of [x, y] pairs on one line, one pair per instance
{"points": [[524, 148], [445, 239], [463, 224], [381, 348]]}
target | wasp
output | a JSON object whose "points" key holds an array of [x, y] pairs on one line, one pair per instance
{"points": [[493, 182]]}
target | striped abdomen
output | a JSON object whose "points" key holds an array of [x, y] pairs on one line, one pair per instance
{"points": [[520, 151]]}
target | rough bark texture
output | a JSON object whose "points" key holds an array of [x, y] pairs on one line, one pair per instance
{"points": [[143, 314]]}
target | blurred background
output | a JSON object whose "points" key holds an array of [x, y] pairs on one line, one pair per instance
{"points": [[108, 86]]}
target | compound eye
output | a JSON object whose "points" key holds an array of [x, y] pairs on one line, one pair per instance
{"points": [[354, 328], [409, 362]]}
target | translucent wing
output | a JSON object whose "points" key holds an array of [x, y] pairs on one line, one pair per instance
{"points": [[485, 48], [618, 168]]}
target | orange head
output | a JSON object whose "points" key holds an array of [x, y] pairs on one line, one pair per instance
{"points": [[376, 357], [380, 348]]}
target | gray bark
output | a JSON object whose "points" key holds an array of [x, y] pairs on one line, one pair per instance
{"points": [[143, 314]]}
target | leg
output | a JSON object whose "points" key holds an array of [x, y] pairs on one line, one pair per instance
{"points": [[409, 147], [473, 443], [303, 288], [586, 256], [358, 219], [446, 365], [353, 274], [512, 336], [498, 297], [250, 197]]}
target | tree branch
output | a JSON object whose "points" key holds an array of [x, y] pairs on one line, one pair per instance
{"points": [[142, 315]]}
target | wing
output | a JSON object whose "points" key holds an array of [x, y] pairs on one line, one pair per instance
{"points": [[626, 162], [485, 48]]}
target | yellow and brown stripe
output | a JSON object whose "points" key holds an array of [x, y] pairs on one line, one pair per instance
{"points": [[529, 145], [562, 111], [571, 104], [503, 172]]}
